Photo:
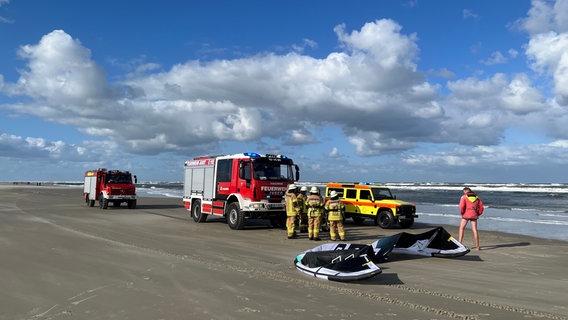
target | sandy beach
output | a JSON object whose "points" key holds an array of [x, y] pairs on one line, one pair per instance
{"points": [[60, 259]]}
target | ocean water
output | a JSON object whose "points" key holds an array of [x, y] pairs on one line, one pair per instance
{"points": [[538, 210]]}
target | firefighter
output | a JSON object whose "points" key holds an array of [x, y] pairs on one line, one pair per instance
{"points": [[292, 210], [303, 221], [335, 208], [315, 205], [324, 225]]}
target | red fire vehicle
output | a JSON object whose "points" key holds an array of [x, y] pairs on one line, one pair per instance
{"points": [[238, 187], [112, 186]]}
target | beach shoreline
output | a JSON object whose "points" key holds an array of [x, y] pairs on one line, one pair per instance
{"points": [[428, 213], [155, 262]]}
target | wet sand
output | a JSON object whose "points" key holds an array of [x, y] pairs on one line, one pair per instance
{"points": [[60, 259]]}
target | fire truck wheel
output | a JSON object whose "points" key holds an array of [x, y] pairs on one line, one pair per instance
{"points": [[385, 219], [235, 217], [103, 203], [196, 213], [131, 204]]}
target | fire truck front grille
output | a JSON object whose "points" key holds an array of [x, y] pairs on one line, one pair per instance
{"points": [[273, 206]]}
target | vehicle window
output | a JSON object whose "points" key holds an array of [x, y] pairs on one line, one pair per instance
{"points": [[365, 195], [338, 190], [351, 193], [382, 193], [119, 178], [224, 170], [270, 171]]}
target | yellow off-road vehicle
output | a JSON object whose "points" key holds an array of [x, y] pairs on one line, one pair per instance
{"points": [[371, 201]]}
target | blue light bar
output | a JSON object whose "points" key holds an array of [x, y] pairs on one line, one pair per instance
{"points": [[251, 154]]}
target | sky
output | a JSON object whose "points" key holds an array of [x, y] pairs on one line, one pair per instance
{"points": [[365, 91]]}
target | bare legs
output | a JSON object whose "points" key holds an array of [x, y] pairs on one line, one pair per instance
{"points": [[473, 228], [462, 228], [475, 234]]}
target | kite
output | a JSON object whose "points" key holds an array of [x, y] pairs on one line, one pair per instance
{"points": [[338, 262], [434, 243], [349, 262]]}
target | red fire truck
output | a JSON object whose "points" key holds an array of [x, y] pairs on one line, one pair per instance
{"points": [[238, 187], [112, 186]]}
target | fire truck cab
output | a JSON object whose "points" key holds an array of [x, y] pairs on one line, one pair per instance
{"points": [[238, 187], [109, 186]]}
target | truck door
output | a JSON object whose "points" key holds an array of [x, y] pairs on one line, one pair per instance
{"points": [[244, 178], [366, 205], [223, 178], [350, 201]]}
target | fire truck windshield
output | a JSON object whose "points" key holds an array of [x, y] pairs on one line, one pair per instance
{"points": [[272, 171], [119, 178]]}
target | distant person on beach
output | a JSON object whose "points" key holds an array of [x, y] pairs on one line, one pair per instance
{"points": [[471, 207]]}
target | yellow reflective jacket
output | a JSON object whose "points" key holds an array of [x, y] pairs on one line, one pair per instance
{"points": [[292, 207], [302, 203], [334, 209], [315, 205]]}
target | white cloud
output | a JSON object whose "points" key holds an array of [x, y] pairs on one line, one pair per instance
{"points": [[334, 153], [4, 19], [561, 15], [478, 111], [384, 42], [373, 143], [306, 43], [538, 18], [372, 90], [549, 53], [497, 93], [34, 148], [521, 98], [547, 24], [61, 71], [554, 153], [299, 137], [496, 58], [469, 14]]}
